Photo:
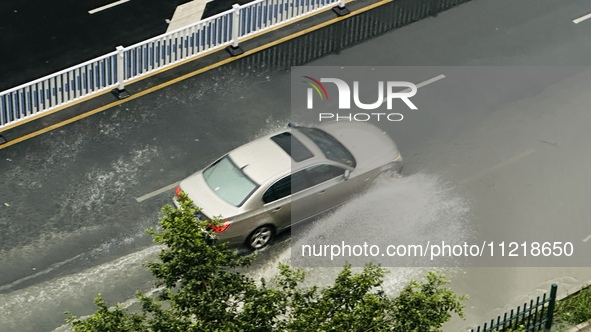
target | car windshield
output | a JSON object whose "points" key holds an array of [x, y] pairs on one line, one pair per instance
{"points": [[228, 181], [329, 145]]}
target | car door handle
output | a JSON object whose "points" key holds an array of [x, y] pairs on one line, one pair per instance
{"points": [[277, 209], [321, 192]]}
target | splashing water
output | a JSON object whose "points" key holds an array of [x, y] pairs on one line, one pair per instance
{"points": [[413, 209]]}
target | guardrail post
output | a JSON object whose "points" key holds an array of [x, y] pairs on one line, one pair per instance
{"points": [[341, 10], [550, 313], [234, 49], [434, 8], [120, 92]]}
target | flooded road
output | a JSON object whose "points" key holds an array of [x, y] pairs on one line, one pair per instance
{"points": [[485, 155]]}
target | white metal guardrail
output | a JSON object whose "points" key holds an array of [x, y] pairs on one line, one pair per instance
{"points": [[264, 14], [164, 50], [49, 92], [113, 70]]}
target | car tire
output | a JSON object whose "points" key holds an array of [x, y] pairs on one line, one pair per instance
{"points": [[260, 237]]}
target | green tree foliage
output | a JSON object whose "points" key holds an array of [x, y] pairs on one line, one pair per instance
{"points": [[204, 290], [105, 319], [425, 306]]}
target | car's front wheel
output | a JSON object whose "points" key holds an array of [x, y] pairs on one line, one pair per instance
{"points": [[260, 237]]}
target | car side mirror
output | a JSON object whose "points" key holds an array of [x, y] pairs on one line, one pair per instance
{"points": [[347, 174]]}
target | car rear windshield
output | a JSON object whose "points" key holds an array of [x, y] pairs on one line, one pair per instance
{"points": [[330, 146], [228, 181]]}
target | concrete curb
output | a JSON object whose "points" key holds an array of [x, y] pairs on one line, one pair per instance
{"points": [[572, 291], [585, 326]]}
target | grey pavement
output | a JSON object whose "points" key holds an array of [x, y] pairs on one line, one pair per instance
{"points": [[492, 153]]}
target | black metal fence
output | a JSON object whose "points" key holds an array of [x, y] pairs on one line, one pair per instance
{"points": [[346, 33], [537, 316]]}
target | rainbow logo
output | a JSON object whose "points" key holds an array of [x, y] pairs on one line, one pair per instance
{"points": [[316, 85]]}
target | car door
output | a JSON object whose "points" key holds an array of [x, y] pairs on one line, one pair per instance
{"points": [[330, 186], [286, 201]]}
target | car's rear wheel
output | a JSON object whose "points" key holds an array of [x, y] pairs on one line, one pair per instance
{"points": [[260, 237]]}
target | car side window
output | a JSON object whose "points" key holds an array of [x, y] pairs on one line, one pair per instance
{"points": [[290, 184], [322, 173]]}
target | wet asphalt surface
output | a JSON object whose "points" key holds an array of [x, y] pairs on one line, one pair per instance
{"points": [[506, 128], [38, 39]]}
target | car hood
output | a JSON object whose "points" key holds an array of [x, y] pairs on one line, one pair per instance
{"points": [[210, 203], [370, 146]]}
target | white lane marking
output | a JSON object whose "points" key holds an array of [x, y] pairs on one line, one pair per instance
{"points": [[116, 3], [431, 80], [157, 192], [422, 84], [169, 187], [187, 14], [587, 238], [582, 18], [499, 165]]}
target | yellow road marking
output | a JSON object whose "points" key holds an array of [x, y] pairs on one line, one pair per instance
{"points": [[57, 109], [191, 74]]}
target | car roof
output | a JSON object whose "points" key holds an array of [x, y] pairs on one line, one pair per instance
{"points": [[275, 155]]}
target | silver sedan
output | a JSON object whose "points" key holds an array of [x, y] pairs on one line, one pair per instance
{"points": [[263, 187]]}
